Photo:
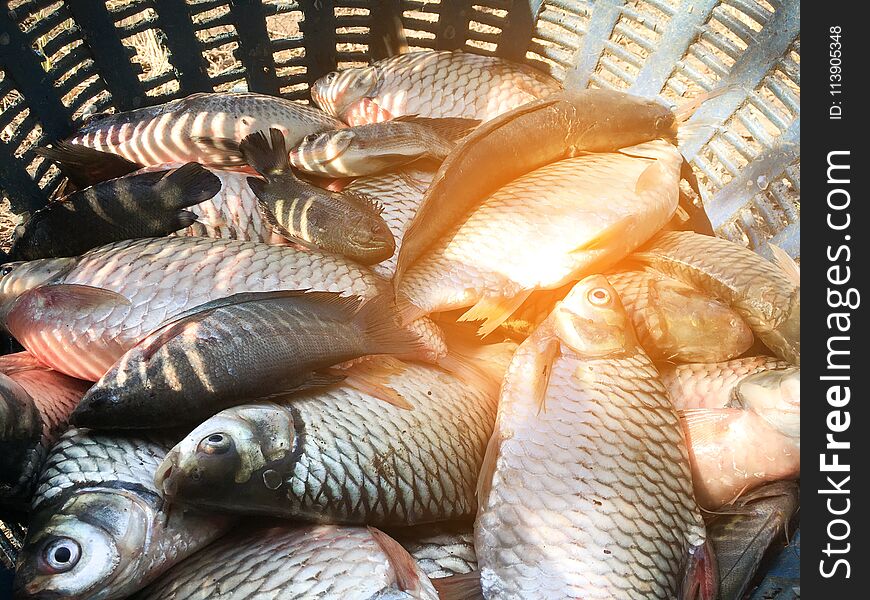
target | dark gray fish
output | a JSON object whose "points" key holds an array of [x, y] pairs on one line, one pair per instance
{"points": [[742, 536], [517, 142], [99, 529], [343, 223], [136, 206], [246, 346]]}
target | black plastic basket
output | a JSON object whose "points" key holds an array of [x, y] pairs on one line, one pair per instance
{"points": [[61, 61]]}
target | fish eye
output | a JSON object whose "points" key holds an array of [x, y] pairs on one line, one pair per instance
{"points": [[598, 296], [61, 555], [216, 443], [5, 270], [310, 138], [330, 77]]}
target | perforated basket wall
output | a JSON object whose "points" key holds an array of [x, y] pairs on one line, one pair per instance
{"points": [[61, 61]]}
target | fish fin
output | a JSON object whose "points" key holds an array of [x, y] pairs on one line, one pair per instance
{"points": [[219, 151], [685, 110], [185, 219], [414, 183], [393, 41], [75, 296], [364, 201], [786, 263], [494, 311], [701, 576], [472, 371], [316, 379], [379, 320], [408, 311], [266, 156], [368, 377], [548, 350], [459, 587], [197, 183], [610, 236], [86, 166], [20, 362], [487, 469], [652, 179], [450, 128], [704, 424], [404, 565]]}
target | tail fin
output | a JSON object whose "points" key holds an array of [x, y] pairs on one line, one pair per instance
{"points": [[481, 366], [450, 128], [188, 185], [379, 321], [685, 111], [265, 157], [86, 166]]}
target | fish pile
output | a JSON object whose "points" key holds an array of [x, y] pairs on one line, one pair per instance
{"points": [[447, 334]]}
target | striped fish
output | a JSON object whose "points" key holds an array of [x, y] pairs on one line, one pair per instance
{"points": [[204, 127]]}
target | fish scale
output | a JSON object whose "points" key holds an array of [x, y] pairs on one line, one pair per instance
{"points": [[79, 458], [591, 492], [705, 385], [435, 84], [162, 277], [350, 458], [284, 563]]}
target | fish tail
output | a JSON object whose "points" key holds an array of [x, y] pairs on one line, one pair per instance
{"points": [[474, 366], [188, 185], [685, 111], [379, 320], [408, 311], [266, 156], [87, 166]]}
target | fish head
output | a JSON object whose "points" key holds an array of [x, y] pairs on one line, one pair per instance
{"points": [[592, 322], [335, 92], [774, 395], [316, 151], [367, 238], [20, 434], [19, 277], [234, 457], [88, 548], [694, 325]]}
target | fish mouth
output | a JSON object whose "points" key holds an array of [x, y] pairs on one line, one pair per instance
{"points": [[94, 409], [164, 478]]}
